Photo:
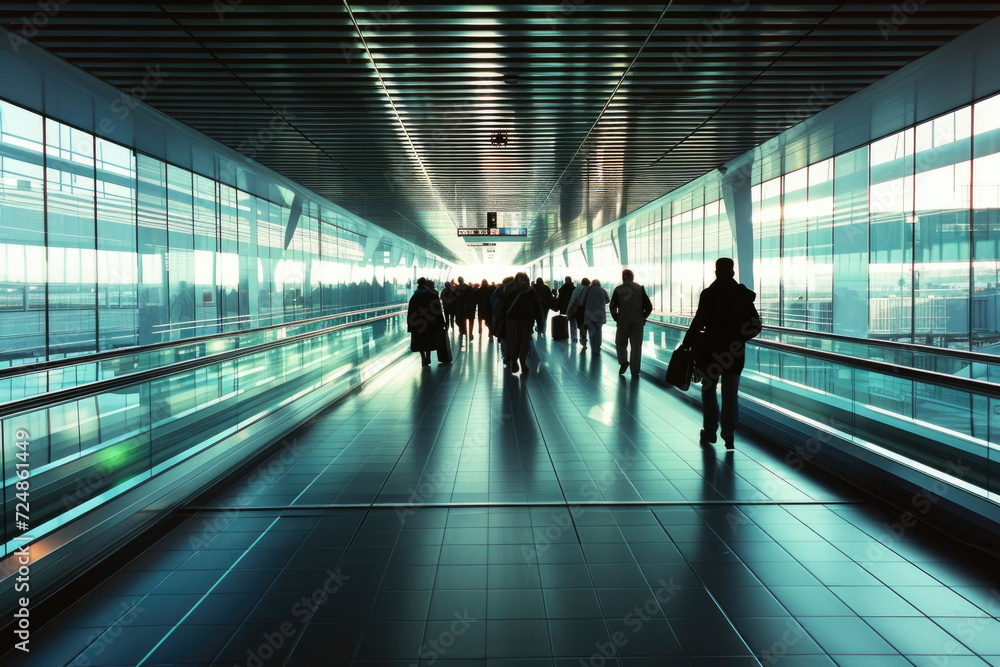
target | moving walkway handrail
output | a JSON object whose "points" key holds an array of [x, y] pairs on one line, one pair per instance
{"points": [[46, 399], [916, 348], [980, 387], [43, 366]]}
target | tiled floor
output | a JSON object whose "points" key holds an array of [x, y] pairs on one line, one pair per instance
{"points": [[457, 516]]}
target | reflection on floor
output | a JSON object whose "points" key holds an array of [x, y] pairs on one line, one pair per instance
{"points": [[456, 515]]}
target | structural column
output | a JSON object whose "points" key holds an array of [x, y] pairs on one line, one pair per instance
{"points": [[739, 210]]}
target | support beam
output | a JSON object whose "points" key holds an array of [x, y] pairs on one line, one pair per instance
{"points": [[294, 214], [371, 243], [739, 210], [622, 234]]}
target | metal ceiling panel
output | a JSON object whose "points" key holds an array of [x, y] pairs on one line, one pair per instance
{"points": [[387, 107]]}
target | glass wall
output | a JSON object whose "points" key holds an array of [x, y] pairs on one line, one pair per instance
{"points": [[23, 332], [985, 221], [896, 240], [102, 247]]}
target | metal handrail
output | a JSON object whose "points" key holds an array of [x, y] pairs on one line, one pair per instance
{"points": [[110, 384], [915, 348], [980, 387], [979, 357], [42, 366]]}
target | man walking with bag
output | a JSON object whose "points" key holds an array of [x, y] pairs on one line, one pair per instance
{"points": [[725, 320], [629, 306]]}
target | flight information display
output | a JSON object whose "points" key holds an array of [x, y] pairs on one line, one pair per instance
{"points": [[494, 231]]}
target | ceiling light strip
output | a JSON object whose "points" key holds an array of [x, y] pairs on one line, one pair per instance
{"points": [[395, 111], [611, 97]]}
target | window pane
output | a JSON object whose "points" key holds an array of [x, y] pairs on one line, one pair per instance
{"points": [[819, 244], [181, 261], [117, 263], [942, 230], [154, 318], [850, 243], [986, 224], [72, 238], [22, 237], [767, 236], [794, 290]]}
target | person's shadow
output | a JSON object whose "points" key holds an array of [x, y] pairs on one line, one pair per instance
{"points": [[627, 409], [718, 480], [725, 476], [595, 364]]}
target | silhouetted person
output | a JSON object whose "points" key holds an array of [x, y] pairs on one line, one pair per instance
{"points": [[726, 319], [562, 303], [522, 309], [181, 310], [499, 328], [544, 298], [576, 322], [450, 304], [463, 293], [425, 320], [471, 301], [483, 296], [630, 306], [595, 315]]}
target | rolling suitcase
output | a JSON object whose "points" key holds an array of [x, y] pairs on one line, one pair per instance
{"points": [[444, 347], [560, 327]]}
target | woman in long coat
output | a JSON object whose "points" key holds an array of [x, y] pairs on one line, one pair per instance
{"points": [[425, 321], [523, 309], [498, 328], [580, 297]]}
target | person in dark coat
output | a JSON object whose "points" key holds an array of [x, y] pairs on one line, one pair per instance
{"points": [[725, 320], [483, 296], [595, 315], [576, 323], [523, 309], [562, 303], [471, 302], [449, 302], [462, 294], [425, 320], [630, 307], [545, 299], [499, 328]]}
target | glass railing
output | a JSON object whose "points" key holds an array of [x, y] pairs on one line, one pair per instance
{"points": [[86, 443], [19, 382], [908, 355], [935, 411]]}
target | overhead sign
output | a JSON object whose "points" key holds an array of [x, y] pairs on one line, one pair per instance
{"points": [[493, 231]]}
